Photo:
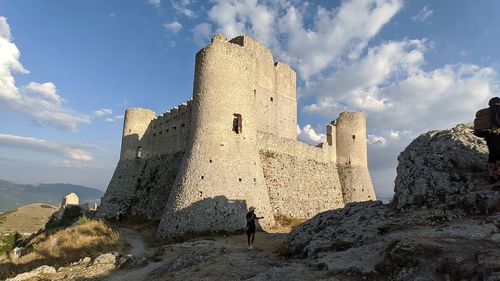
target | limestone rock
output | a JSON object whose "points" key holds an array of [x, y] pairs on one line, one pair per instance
{"points": [[108, 258], [338, 230], [44, 269], [444, 168]]}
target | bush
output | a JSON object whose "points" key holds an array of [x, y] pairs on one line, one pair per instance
{"points": [[69, 216], [83, 219], [8, 242]]}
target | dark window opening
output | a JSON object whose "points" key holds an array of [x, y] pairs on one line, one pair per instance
{"points": [[254, 92], [182, 125], [240, 179], [129, 130], [254, 180], [202, 177], [210, 161], [174, 128], [138, 152], [154, 134], [272, 99], [237, 123], [353, 137]]}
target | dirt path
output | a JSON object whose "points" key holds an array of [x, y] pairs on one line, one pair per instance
{"points": [[214, 258], [136, 241]]}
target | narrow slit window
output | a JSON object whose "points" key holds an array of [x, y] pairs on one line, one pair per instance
{"points": [[353, 137], [272, 99], [237, 127], [139, 152]]}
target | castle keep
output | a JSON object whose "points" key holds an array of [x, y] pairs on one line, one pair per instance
{"points": [[199, 166]]}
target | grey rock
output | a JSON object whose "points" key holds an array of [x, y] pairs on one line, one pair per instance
{"points": [[445, 168], [108, 258], [44, 269]]}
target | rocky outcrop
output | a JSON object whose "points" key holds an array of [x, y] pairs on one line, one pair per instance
{"points": [[444, 168], [443, 223]]}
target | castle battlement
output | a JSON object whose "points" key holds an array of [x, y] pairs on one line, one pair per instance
{"points": [[200, 165]]}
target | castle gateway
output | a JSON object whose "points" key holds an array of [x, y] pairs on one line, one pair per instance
{"points": [[199, 166]]}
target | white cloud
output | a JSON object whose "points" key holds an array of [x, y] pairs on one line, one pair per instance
{"points": [[173, 27], [103, 112], [68, 152], [38, 102], [356, 86], [182, 7], [308, 134], [377, 141], [423, 14], [201, 33], [312, 48], [155, 3], [394, 135]]}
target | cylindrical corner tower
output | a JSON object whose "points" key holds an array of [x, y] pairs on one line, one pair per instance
{"points": [[352, 160], [135, 124], [220, 176]]}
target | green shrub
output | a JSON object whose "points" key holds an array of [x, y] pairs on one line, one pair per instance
{"points": [[9, 242], [83, 219]]}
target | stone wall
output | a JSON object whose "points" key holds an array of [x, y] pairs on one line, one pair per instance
{"points": [[301, 180], [274, 90], [141, 186], [169, 132]]}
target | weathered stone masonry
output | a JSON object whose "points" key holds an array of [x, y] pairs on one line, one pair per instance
{"points": [[199, 166]]}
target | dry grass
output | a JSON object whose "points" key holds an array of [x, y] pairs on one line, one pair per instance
{"points": [[287, 222], [65, 246]]}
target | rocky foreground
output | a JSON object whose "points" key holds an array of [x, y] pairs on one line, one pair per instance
{"points": [[443, 224]]}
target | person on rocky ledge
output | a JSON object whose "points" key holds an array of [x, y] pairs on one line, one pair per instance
{"points": [[251, 227], [493, 141]]}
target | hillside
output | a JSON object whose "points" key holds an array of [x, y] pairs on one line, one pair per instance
{"points": [[26, 219], [14, 195]]}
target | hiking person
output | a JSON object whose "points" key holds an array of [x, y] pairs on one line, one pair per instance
{"points": [[493, 140], [251, 227]]}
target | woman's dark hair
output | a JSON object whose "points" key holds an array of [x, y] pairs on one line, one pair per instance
{"points": [[494, 101]]}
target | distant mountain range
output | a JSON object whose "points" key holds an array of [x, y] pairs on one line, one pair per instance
{"points": [[13, 195]]}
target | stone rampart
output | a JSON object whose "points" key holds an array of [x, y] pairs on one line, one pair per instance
{"points": [[301, 179]]}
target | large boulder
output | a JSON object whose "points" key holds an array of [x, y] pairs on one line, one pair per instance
{"points": [[441, 167]]}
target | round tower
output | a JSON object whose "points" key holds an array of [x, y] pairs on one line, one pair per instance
{"points": [[220, 176], [135, 123], [352, 160]]}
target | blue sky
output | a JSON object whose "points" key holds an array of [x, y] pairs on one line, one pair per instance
{"points": [[69, 69]]}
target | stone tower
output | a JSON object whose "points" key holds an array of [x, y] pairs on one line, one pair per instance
{"points": [[352, 159], [221, 175], [136, 122]]}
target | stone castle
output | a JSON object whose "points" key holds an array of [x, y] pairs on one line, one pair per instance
{"points": [[199, 166]]}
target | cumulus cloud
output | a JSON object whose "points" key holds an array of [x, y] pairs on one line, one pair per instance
{"points": [[173, 27], [201, 33], [66, 151], [312, 48], [155, 3], [308, 135], [377, 141], [423, 14], [103, 112], [37, 101], [182, 7]]}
